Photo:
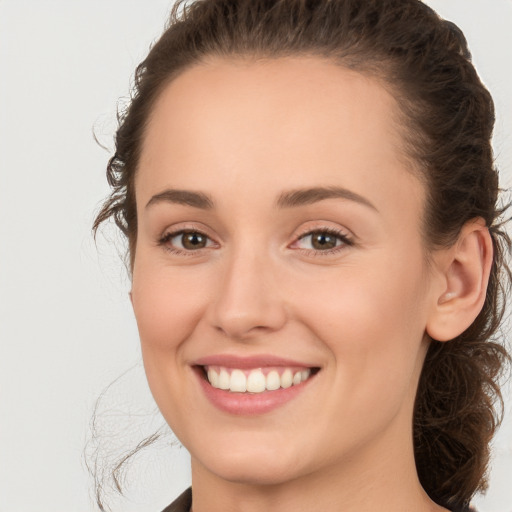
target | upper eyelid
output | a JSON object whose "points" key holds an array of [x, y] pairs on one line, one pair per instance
{"points": [[164, 240], [343, 233], [338, 231], [171, 233], [346, 237], [186, 228]]}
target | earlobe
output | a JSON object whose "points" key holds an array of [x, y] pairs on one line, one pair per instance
{"points": [[465, 270]]}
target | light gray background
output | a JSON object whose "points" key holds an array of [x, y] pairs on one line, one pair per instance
{"points": [[66, 327]]}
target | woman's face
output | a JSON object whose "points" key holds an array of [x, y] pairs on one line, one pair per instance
{"points": [[279, 246]]}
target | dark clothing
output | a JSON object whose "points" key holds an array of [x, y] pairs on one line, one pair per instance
{"points": [[184, 502]]}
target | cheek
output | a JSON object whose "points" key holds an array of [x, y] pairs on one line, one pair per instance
{"points": [[162, 304], [372, 319], [373, 329], [167, 308]]}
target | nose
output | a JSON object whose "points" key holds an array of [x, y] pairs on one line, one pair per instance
{"points": [[248, 303]]}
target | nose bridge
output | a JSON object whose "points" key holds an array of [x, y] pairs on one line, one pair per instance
{"points": [[248, 301]]}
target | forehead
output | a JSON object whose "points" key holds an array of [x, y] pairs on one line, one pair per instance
{"points": [[294, 121]]}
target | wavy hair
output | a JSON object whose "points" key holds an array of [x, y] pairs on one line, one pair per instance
{"points": [[447, 119]]}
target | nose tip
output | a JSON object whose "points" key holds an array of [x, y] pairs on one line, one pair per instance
{"points": [[248, 303], [242, 326]]}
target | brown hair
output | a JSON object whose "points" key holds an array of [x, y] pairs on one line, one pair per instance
{"points": [[448, 118]]}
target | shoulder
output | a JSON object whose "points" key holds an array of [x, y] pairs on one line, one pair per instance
{"points": [[182, 503]]}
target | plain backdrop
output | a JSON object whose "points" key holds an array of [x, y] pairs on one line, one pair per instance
{"points": [[66, 326]]}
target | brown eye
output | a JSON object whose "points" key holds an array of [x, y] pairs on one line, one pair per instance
{"points": [[193, 240], [322, 241], [186, 241]]}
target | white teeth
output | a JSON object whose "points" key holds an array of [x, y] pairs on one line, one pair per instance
{"points": [[254, 381], [238, 381], [213, 377], [223, 380], [273, 381], [286, 379]]}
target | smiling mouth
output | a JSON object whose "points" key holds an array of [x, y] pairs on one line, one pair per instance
{"points": [[257, 380]]}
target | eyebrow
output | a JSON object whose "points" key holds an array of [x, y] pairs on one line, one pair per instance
{"points": [[288, 199], [185, 197], [305, 196]]}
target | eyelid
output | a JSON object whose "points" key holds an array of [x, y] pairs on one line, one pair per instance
{"points": [[176, 234], [345, 236], [186, 227], [173, 231]]}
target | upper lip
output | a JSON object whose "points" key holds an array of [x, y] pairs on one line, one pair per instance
{"points": [[246, 362]]}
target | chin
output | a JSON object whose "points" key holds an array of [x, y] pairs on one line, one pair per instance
{"points": [[254, 467], [264, 474]]}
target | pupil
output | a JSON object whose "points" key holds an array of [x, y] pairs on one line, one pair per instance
{"points": [[324, 241], [193, 241]]}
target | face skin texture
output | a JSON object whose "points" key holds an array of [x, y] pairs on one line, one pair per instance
{"points": [[245, 134]]}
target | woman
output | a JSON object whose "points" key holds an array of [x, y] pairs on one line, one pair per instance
{"points": [[310, 201]]}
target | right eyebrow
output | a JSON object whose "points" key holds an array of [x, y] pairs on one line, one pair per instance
{"points": [[185, 197]]}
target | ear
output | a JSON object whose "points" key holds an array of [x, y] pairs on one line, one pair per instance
{"points": [[464, 270]]}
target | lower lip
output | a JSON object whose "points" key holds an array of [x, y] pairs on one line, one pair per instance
{"points": [[249, 404]]}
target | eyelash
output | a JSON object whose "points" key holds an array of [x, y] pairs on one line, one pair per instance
{"points": [[344, 238], [168, 236], [346, 241]]}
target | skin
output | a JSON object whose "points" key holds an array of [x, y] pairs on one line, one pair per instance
{"points": [[244, 133]]}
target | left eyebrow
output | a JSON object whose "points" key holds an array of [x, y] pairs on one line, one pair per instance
{"points": [[305, 196]]}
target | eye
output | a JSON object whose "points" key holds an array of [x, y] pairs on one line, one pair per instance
{"points": [[185, 241], [322, 240]]}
